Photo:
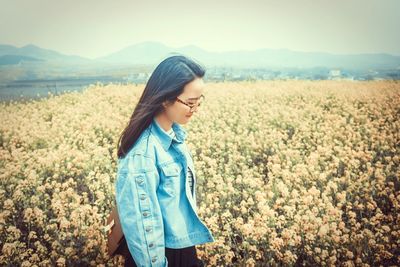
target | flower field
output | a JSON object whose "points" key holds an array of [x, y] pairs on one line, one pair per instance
{"points": [[292, 173]]}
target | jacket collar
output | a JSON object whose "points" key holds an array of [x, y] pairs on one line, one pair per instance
{"points": [[164, 138]]}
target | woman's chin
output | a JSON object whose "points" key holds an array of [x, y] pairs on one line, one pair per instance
{"points": [[185, 120]]}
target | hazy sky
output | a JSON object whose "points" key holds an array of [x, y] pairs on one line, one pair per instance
{"points": [[93, 28]]}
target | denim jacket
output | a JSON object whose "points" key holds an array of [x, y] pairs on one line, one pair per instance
{"points": [[154, 201]]}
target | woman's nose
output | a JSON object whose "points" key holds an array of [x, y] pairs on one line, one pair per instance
{"points": [[194, 109]]}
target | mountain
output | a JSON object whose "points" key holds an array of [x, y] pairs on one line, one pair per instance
{"points": [[142, 53], [15, 59], [31, 61], [150, 53], [153, 52], [41, 54]]}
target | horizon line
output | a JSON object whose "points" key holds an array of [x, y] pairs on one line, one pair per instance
{"points": [[209, 51]]}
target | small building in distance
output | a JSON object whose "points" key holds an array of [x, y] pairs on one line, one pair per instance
{"points": [[335, 74]]}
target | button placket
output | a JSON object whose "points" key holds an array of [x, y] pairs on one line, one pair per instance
{"points": [[154, 259], [145, 209], [140, 181], [144, 203]]}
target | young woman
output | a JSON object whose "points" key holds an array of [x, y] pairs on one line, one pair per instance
{"points": [[156, 180]]}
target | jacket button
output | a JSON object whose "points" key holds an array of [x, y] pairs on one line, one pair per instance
{"points": [[151, 245], [148, 229], [140, 181], [154, 259], [142, 197]]}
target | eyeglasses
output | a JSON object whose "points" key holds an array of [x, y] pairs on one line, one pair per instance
{"points": [[202, 97]]}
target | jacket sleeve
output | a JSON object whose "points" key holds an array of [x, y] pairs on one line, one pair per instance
{"points": [[139, 210]]}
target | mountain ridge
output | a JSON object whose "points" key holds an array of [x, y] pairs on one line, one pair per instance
{"points": [[151, 52]]}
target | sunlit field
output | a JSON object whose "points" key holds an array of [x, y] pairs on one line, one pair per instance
{"points": [[289, 173]]}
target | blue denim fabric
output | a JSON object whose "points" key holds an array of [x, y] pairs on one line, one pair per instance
{"points": [[154, 201]]}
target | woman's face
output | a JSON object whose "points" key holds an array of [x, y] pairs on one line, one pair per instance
{"points": [[179, 112]]}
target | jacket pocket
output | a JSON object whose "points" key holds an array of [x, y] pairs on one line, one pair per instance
{"points": [[172, 174]]}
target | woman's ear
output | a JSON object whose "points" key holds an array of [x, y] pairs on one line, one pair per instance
{"points": [[166, 103]]}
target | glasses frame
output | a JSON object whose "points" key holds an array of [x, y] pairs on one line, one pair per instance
{"points": [[201, 99]]}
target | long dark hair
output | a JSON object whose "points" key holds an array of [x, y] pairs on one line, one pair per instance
{"points": [[165, 83]]}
